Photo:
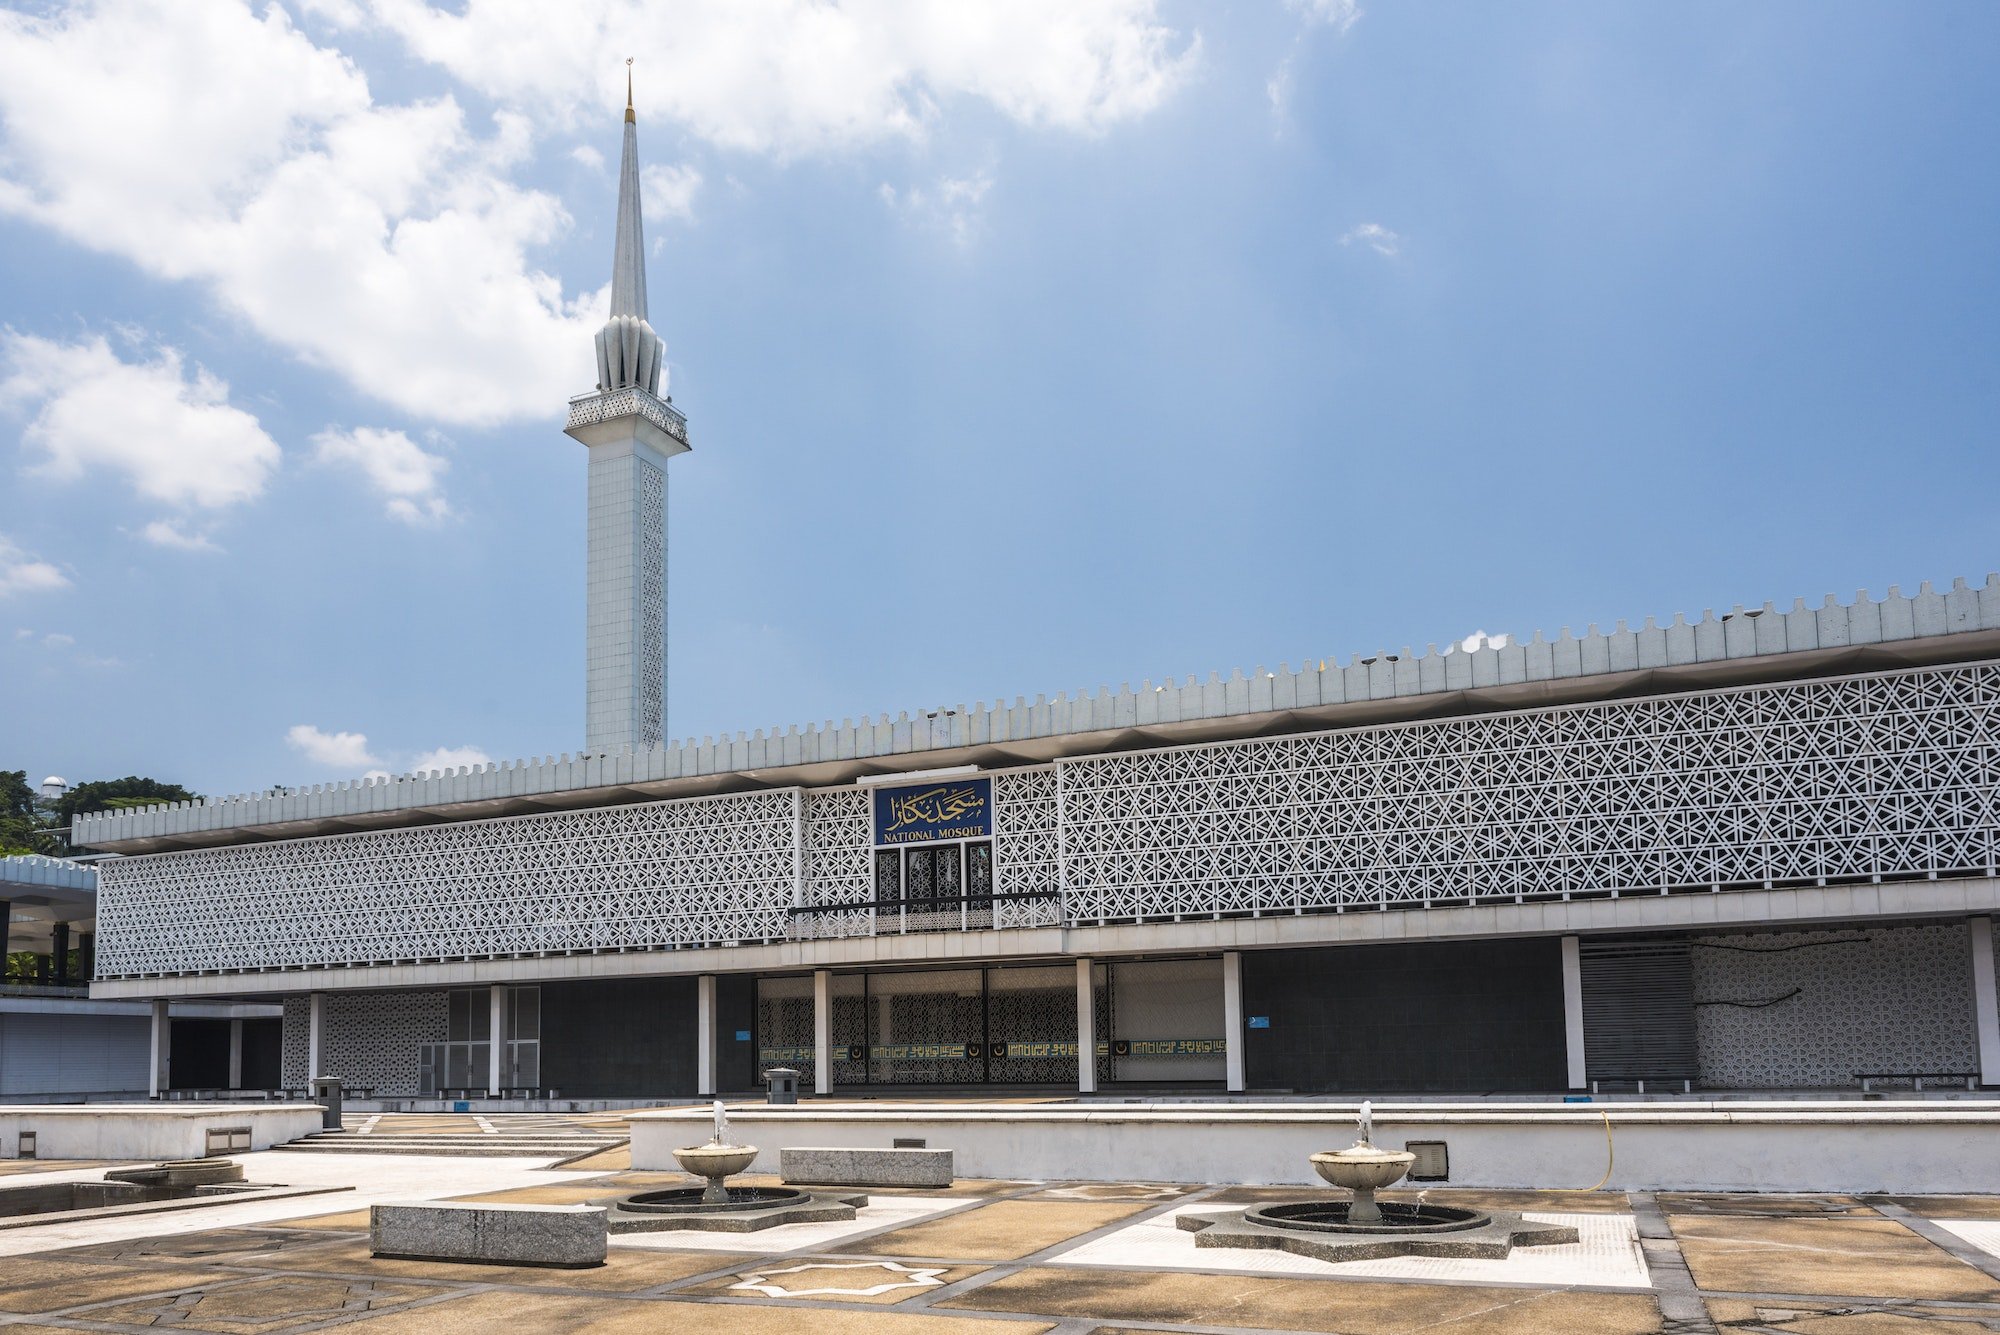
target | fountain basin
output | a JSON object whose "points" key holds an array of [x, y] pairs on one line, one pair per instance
{"points": [[682, 1200], [715, 1161], [746, 1209], [1397, 1217], [1317, 1229], [1362, 1167]]}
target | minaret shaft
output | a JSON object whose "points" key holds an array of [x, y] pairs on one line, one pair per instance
{"points": [[626, 620]]}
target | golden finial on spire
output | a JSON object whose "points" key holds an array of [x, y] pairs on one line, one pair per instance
{"points": [[628, 90]]}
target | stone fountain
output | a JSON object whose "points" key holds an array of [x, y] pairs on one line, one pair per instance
{"points": [[1360, 1228], [719, 1207]]}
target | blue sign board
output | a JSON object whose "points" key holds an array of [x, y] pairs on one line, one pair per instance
{"points": [[1260, 1022], [742, 1035], [931, 813]]}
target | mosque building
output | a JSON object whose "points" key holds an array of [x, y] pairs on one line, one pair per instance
{"points": [[1752, 851]]}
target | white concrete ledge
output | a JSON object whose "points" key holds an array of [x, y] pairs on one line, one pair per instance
{"points": [[1762, 1146], [149, 1131]]}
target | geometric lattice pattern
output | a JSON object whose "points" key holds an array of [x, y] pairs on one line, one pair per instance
{"points": [[1881, 775], [652, 645], [837, 863], [1886, 775], [1027, 847], [1793, 1010], [370, 1041], [703, 871]]}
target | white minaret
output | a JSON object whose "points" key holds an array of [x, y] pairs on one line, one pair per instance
{"points": [[632, 432]]}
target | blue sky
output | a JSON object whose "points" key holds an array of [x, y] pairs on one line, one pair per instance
{"points": [[1027, 347]]}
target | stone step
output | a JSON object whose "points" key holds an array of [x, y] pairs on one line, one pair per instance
{"points": [[447, 1149], [553, 1145]]}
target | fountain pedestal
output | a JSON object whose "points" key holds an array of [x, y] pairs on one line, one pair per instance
{"points": [[715, 1162], [1362, 1168], [721, 1208]]}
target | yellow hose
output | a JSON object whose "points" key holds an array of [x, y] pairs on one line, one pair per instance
{"points": [[1610, 1161]]}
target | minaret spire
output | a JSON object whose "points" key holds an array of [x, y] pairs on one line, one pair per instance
{"points": [[628, 351]]}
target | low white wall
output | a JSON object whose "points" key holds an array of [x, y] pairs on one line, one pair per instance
{"points": [[1791, 1146], [148, 1131]]}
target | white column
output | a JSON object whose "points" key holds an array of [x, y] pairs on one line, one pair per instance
{"points": [[1572, 965], [316, 1038], [159, 1050], [704, 1034], [236, 1054], [822, 1032], [1986, 1004], [496, 1064], [1232, 1020], [1086, 1029]]}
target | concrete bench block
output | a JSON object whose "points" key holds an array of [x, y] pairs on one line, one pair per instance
{"points": [[566, 1236], [808, 1166]]}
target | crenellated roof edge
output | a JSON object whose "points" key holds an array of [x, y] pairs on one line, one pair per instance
{"points": [[905, 741]]}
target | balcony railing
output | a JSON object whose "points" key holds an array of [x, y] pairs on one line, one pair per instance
{"points": [[902, 917]]}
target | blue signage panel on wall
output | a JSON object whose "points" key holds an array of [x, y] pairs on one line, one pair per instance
{"points": [[929, 813]]}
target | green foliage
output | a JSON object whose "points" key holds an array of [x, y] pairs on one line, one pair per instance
{"points": [[28, 827], [115, 794], [21, 826]]}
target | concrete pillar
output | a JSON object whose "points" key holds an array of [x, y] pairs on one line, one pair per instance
{"points": [[59, 953], [1232, 1020], [822, 1032], [1572, 966], [6, 929], [316, 1037], [1086, 1029], [159, 1051], [496, 1028], [704, 1034], [236, 1054], [1986, 1006]]}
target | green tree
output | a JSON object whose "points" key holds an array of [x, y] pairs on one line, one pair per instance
{"points": [[113, 795], [21, 827]]}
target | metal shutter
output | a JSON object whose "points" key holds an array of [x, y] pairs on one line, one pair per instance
{"points": [[1638, 1010]]}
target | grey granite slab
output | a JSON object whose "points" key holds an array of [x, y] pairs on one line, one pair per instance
{"points": [[809, 1166], [484, 1232]]}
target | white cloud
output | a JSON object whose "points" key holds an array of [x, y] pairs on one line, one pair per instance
{"points": [[951, 204], [794, 76], [207, 143], [449, 757], [396, 466], [178, 536], [173, 435], [22, 573], [340, 750], [668, 192], [1374, 236], [1479, 639], [1336, 14], [58, 640]]}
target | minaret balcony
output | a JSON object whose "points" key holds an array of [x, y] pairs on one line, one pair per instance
{"points": [[592, 410]]}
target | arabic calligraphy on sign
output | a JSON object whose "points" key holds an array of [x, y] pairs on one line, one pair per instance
{"points": [[933, 813]]}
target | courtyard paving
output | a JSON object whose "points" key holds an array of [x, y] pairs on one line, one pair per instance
{"points": [[1070, 1257]]}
